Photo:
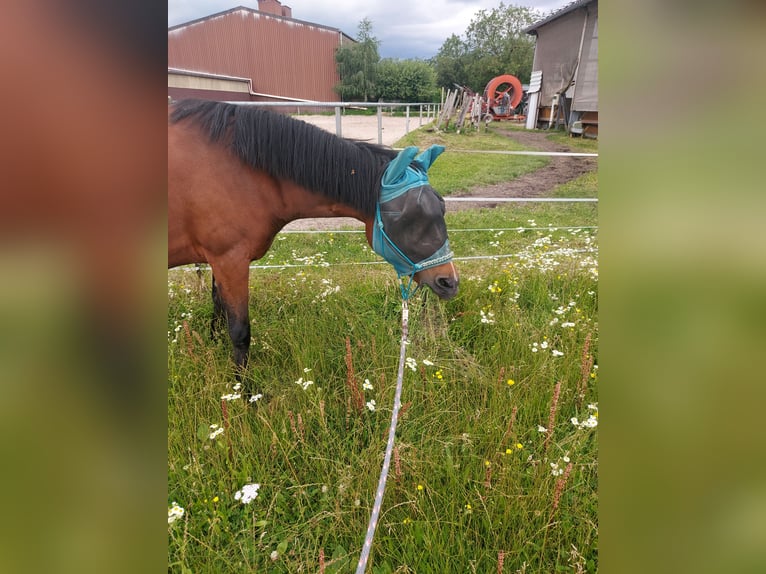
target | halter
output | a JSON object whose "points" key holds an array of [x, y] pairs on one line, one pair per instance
{"points": [[406, 174]]}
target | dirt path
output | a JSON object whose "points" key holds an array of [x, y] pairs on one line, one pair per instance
{"points": [[538, 183]]}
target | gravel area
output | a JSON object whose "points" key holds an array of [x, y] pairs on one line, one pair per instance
{"points": [[366, 127]]}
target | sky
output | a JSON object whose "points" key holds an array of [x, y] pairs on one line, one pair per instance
{"points": [[405, 28]]}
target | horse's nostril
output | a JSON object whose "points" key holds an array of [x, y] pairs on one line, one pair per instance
{"points": [[445, 282]]}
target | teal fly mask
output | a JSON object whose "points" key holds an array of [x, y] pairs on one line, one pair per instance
{"points": [[409, 230]]}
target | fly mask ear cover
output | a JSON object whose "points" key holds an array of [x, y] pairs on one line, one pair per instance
{"points": [[409, 230]]}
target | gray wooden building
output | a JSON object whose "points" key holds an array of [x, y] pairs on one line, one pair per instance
{"points": [[564, 84]]}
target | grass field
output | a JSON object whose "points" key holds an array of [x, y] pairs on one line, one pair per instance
{"points": [[491, 473]]}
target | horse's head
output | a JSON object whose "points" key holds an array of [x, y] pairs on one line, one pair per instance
{"points": [[409, 229]]}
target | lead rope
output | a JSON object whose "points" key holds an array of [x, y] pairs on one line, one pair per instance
{"points": [[362, 566]]}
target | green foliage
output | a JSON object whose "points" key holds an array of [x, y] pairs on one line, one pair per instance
{"points": [[450, 63], [357, 65], [494, 44], [406, 81]]}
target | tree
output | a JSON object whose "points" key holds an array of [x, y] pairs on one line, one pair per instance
{"points": [[450, 62], [497, 37], [406, 81], [494, 44], [357, 65]]}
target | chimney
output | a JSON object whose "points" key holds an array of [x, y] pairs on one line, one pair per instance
{"points": [[287, 12], [270, 7]]}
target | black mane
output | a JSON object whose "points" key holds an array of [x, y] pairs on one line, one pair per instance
{"points": [[343, 170]]}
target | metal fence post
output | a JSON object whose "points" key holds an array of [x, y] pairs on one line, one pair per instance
{"points": [[407, 123], [338, 127], [380, 125]]}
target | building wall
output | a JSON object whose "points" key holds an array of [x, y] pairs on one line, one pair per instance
{"points": [[567, 49], [556, 52], [586, 86], [282, 56]]}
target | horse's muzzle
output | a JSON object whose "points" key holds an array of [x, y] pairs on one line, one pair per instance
{"points": [[445, 285]]}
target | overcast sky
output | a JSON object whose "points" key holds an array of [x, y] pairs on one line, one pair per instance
{"points": [[405, 28]]}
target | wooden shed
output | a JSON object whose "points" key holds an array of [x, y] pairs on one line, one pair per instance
{"points": [[245, 54], [564, 90]]}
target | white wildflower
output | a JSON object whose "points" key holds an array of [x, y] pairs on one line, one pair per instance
{"points": [[371, 405], [216, 432], [255, 398], [231, 397], [557, 353], [488, 317], [304, 384], [367, 385], [589, 423], [427, 363], [247, 493], [541, 428], [175, 512], [274, 556], [411, 363]]}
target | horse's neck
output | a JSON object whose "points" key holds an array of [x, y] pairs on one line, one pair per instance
{"points": [[301, 203]]}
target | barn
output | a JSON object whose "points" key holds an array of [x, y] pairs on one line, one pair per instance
{"points": [[563, 89], [243, 54]]}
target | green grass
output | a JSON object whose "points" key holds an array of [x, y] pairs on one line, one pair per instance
{"points": [[576, 143], [462, 491]]}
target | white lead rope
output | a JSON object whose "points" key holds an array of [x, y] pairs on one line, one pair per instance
{"points": [[362, 566]]}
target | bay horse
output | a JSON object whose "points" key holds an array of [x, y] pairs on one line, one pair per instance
{"points": [[237, 174]]}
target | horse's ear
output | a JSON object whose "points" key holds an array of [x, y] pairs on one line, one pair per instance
{"points": [[428, 157], [399, 165]]}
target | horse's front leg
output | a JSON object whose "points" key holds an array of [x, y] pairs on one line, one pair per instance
{"points": [[218, 312], [230, 292]]}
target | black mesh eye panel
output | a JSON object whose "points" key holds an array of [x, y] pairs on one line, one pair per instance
{"points": [[415, 222]]}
